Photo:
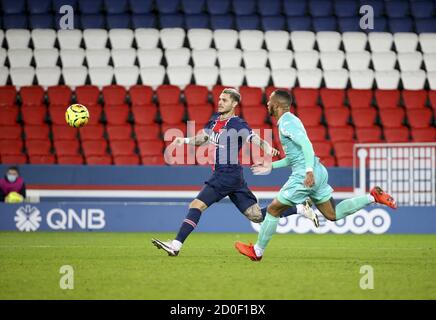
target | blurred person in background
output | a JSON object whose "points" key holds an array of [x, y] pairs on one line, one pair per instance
{"points": [[12, 186]]}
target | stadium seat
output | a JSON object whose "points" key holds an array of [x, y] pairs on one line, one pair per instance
{"points": [[38, 147], [250, 96], [368, 135], [354, 41], [92, 21], [168, 94], [419, 118], [410, 61], [62, 132], [225, 39], [43, 38], [144, 114], [117, 114], [200, 113], [99, 160], [8, 115], [255, 58], [19, 58], [179, 75], [66, 147], [149, 57], [48, 76], [232, 77], [387, 98], [195, 95], [424, 134], [397, 8], [172, 38], [358, 61], [414, 98], [167, 6], [143, 21], [119, 132], [118, 21], [359, 98], [94, 148], [306, 97], [284, 78], [17, 38], [309, 78], [277, 40], [92, 133], [57, 115], [72, 57], [177, 57], [153, 160], [204, 58], [114, 95], [33, 115], [397, 25], [147, 132], [152, 76], [328, 41], [306, 60], [392, 117], [172, 113], [13, 159], [337, 116], [363, 117], [310, 115], [101, 76], [59, 95], [97, 57], [324, 24], [316, 134], [87, 95], [380, 41], [206, 76], [196, 21], [322, 149], [200, 38], [123, 147], [46, 57], [273, 23], [7, 96], [427, 42], [384, 61], [74, 159], [150, 148], [69, 39], [405, 42], [339, 134], [415, 80], [11, 147], [180, 127], [126, 160], [432, 98], [302, 23], [295, 7], [343, 150], [146, 38], [247, 23], [36, 132], [336, 79], [222, 22], [255, 115], [42, 159], [258, 77], [332, 98], [141, 95], [349, 24], [320, 8], [430, 62], [400, 134], [123, 57], [10, 133], [95, 38], [15, 21], [363, 80], [229, 58], [90, 7]]}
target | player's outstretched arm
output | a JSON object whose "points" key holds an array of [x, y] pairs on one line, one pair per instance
{"points": [[197, 140], [264, 145]]}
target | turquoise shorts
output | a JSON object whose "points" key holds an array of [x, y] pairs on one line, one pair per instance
{"points": [[294, 192]]}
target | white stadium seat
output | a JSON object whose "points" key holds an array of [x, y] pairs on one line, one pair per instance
{"points": [[277, 40], [172, 38], [328, 40], [180, 75], [200, 39], [3, 55], [75, 76], [354, 41], [152, 76], [95, 38], [225, 39], [387, 80], [380, 41], [410, 61], [18, 38], [22, 76], [430, 61], [177, 57], [413, 80], [405, 41], [332, 60], [43, 38], [302, 40], [19, 57], [233, 77], [2, 37], [46, 57], [69, 39], [358, 60], [4, 74], [362, 79], [431, 76], [284, 78], [309, 78], [384, 61], [306, 60], [121, 38], [97, 57], [255, 58], [280, 59], [206, 76], [428, 42], [101, 76], [149, 57], [48, 76], [257, 77], [126, 76], [72, 57], [123, 57], [251, 39], [147, 38], [204, 57], [229, 58], [336, 79]]}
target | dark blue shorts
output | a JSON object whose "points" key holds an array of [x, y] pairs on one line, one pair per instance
{"points": [[228, 181]]}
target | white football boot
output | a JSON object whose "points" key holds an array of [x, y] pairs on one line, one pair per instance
{"points": [[165, 245], [310, 214]]}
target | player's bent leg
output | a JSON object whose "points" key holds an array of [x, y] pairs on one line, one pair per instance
{"points": [[327, 208], [254, 213]]}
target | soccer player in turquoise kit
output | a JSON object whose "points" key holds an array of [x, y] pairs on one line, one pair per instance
{"points": [[309, 178]]}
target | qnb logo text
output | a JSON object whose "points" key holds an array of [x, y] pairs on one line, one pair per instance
{"points": [[59, 219], [375, 221]]}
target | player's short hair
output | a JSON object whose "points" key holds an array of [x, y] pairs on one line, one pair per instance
{"points": [[234, 94], [284, 97]]}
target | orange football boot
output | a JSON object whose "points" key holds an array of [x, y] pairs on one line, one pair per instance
{"points": [[382, 197], [247, 250]]}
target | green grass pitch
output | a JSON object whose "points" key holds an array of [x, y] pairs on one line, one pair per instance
{"points": [[128, 266]]}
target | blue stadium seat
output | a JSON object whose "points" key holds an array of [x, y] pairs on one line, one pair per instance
{"points": [[222, 21], [299, 23], [90, 7], [193, 21], [273, 23], [41, 21], [349, 24], [115, 6], [59, 3], [380, 25], [193, 6], [320, 8], [13, 6], [269, 7], [425, 25], [38, 6], [250, 22], [171, 20], [377, 5], [92, 21], [15, 21], [144, 21], [400, 25], [295, 8], [346, 8], [324, 24], [422, 9], [167, 6], [244, 7], [397, 8], [218, 7], [120, 20], [141, 6]]}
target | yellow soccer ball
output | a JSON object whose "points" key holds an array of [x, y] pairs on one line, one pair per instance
{"points": [[14, 197], [77, 115]]}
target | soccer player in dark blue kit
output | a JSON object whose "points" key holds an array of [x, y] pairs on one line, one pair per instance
{"points": [[227, 132]]}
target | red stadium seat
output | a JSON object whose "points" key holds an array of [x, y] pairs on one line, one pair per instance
{"points": [[432, 98], [200, 113], [196, 95], [332, 98], [36, 132], [368, 135], [94, 148], [42, 159], [141, 95], [123, 147], [95, 112], [250, 96], [33, 115], [328, 161], [10, 147], [57, 115], [130, 160], [153, 160], [144, 114], [32, 95], [392, 118], [341, 134], [359, 98], [310, 116], [118, 114], [77, 159], [419, 118], [66, 147], [316, 134], [38, 147], [255, 115], [10, 133], [147, 132], [99, 160], [414, 99], [322, 149], [87, 95], [424, 134], [59, 95], [269, 90], [396, 134], [114, 95], [151, 148], [119, 132], [180, 127], [91, 133], [64, 132], [13, 159], [343, 149], [387, 98], [172, 114], [168, 94], [8, 96], [8, 115], [306, 97], [364, 117], [345, 162], [337, 117], [216, 91]]}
